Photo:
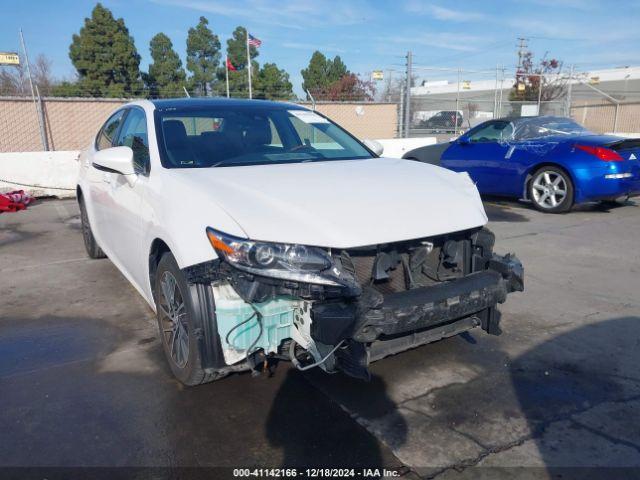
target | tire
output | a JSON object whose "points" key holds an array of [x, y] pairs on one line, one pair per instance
{"points": [[551, 190], [90, 244], [177, 326]]}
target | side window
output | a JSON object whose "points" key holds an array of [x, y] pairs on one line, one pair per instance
{"points": [[494, 132], [133, 134], [312, 136], [108, 131]]}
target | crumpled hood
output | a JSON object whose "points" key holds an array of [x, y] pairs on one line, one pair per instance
{"points": [[340, 204]]}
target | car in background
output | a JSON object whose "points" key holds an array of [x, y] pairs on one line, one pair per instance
{"points": [[261, 231], [445, 121], [552, 161]]}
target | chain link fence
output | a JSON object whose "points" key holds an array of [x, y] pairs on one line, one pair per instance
{"points": [[447, 102], [53, 123]]}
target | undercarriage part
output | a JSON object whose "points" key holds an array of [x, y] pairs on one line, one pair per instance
{"points": [[299, 366], [391, 345], [353, 359]]}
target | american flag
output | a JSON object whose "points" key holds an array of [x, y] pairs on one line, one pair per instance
{"points": [[253, 41]]}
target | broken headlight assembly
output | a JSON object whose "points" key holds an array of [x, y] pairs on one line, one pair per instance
{"points": [[277, 260]]}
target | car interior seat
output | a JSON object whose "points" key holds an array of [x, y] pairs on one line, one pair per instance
{"points": [[177, 144]]}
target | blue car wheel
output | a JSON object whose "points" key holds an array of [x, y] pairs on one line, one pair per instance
{"points": [[551, 190]]}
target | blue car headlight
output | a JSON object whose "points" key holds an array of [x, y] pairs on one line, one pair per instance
{"points": [[277, 260]]}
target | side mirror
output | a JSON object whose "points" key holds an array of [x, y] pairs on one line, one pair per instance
{"points": [[375, 146], [463, 140], [115, 160]]}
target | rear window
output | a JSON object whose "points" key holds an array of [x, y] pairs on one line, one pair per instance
{"points": [[540, 127], [249, 135]]}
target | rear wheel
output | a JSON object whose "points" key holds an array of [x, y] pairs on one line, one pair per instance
{"points": [[551, 190], [90, 244], [175, 315]]}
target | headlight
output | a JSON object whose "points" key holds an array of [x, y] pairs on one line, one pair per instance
{"points": [[277, 260]]}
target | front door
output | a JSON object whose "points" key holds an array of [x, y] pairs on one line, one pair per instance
{"points": [[127, 200], [484, 154]]}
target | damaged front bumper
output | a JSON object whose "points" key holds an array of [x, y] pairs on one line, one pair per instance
{"points": [[347, 327]]}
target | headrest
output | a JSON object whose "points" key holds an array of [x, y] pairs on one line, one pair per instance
{"points": [[175, 135], [257, 131]]}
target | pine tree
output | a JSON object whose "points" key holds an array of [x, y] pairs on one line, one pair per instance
{"points": [[273, 83], [336, 69], [316, 74], [105, 56], [203, 56], [166, 76], [322, 74]]}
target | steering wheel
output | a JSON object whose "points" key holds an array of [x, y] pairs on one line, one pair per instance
{"points": [[298, 148]]}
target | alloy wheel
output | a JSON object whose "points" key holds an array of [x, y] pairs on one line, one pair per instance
{"points": [[173, 320], [549, 189]]}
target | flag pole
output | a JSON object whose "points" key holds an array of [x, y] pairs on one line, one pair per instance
{"points": [[226, 72], [248, 62]]}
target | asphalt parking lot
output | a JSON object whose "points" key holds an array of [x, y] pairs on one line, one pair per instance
{"points": [[83, 381]]}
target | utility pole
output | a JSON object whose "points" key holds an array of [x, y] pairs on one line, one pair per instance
{"points": [[407, 107], [523, 50]]}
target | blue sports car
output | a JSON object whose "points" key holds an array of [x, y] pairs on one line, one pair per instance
{"points": [[551, 161]]}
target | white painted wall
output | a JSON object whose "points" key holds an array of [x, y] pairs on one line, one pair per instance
{"points": [[626, 135], [397, 147], [40, 174]]}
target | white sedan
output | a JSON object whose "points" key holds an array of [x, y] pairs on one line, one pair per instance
{"points": [[260, 231]]}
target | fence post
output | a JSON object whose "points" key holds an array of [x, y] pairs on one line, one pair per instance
{"points": [[540, 79], [615, 119], [407, 107], [401, 116], [495, 96], [569, 92], [41, 122], [455, 124]]}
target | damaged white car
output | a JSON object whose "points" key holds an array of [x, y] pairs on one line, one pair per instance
{"points": [[262, 231]]}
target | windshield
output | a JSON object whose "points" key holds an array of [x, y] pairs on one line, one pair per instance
{"points": [[226, 136], [538, 127]]}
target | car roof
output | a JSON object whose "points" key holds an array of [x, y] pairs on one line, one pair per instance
{"points": [[173, 103], [543, 118]]}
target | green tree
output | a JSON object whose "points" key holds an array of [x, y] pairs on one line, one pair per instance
{"points": [[315, 76], [166, 76], [273, 83], [336, 69], [322, 72], [237, 53], [203, 56], [105, 56]]}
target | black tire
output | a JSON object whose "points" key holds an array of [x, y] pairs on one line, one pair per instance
{"points": [[90, 244], [545, 194], [187, 365]]}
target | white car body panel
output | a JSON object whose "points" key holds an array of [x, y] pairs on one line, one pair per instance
{"points": [[337, 204]]}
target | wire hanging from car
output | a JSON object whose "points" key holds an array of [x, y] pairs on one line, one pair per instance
{"points": [[258, 316]]}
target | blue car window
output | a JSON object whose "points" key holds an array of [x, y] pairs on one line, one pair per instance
{"points": [[494, 132]]}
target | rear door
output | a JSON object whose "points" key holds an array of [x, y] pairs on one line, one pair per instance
{"points": [[484, 154]]}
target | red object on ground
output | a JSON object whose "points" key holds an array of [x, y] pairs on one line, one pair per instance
{"points": [[14, 201]]}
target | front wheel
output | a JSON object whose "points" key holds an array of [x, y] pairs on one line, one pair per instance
{"points": [[551, 190], [175, 315]]}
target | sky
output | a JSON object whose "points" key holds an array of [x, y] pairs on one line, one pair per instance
{"points": [[368, 35]]}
